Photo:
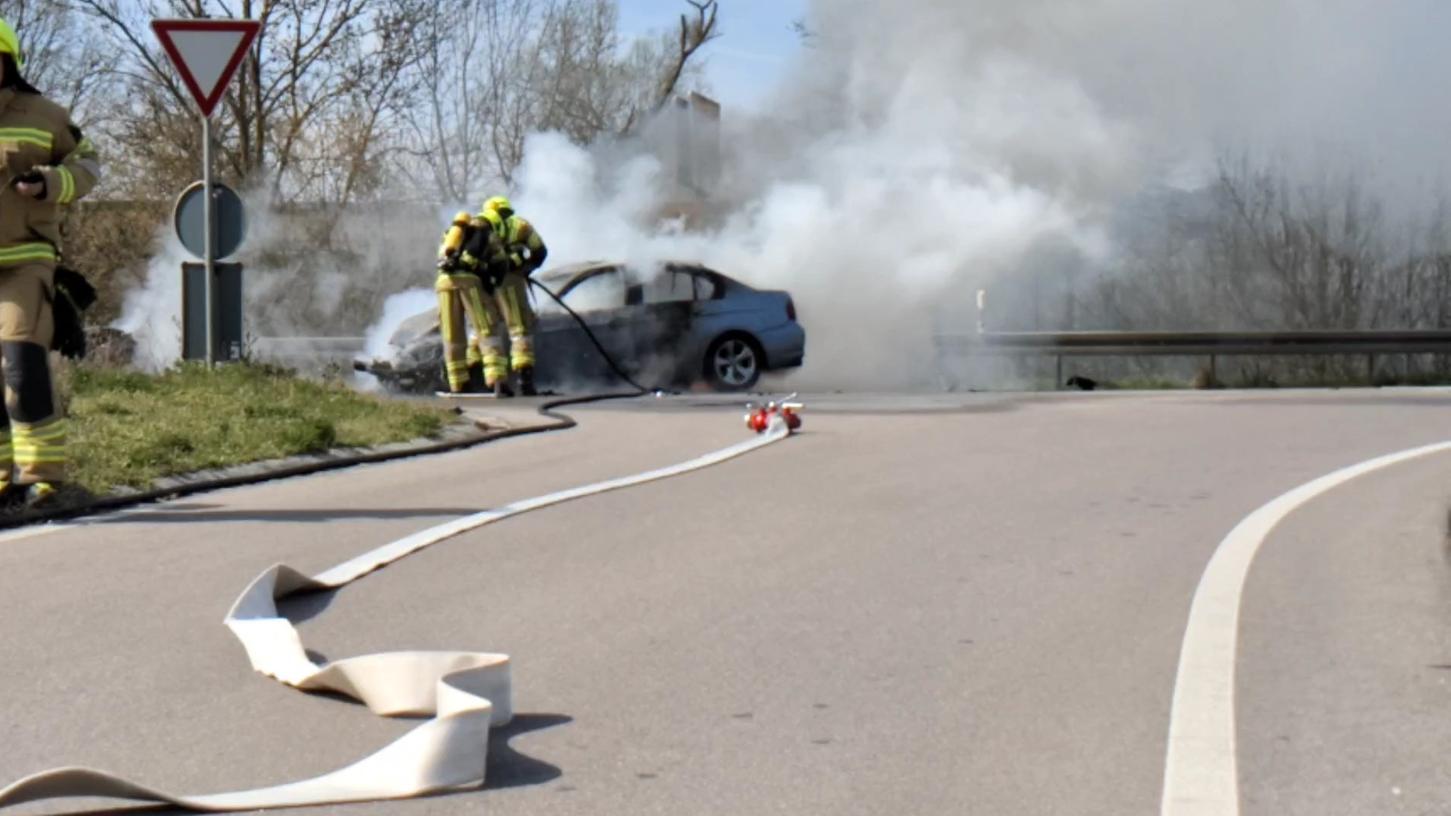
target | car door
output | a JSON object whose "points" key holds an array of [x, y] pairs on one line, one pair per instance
{"points": [[660, 309], [711, 314], [566, 355]]}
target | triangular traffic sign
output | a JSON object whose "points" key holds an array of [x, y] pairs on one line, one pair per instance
{"points": [[206, 53]]}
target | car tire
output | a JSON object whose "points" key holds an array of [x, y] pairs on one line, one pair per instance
{"points": [[733, 362]]}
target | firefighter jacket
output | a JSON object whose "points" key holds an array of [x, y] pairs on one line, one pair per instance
{"points": [[37, 137], [518, 236], [470, 246]]}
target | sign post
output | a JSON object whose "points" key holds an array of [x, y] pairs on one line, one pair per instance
{"points": [[207, 54], [220, 321], [209, 257]]}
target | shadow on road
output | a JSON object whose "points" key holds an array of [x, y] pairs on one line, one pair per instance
{"points": [[507, 768], [510, 769], [209, 514], [1336, 398], [138, 810], [905, 405]]}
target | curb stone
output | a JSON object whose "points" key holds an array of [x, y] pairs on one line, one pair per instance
{"points": [[461, 435]]}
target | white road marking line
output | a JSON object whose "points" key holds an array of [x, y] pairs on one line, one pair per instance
{"points": [[1201, 775]]}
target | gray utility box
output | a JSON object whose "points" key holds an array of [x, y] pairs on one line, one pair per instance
{"points": [[227, 318]]}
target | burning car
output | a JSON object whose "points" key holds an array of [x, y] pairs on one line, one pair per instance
{"points": [[677, 324]]}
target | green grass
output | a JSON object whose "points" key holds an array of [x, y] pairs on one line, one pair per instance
{"points": [[129, 429]]}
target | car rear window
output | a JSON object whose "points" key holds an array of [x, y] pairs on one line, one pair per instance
{"points": [[706, 288], [669, 287]]}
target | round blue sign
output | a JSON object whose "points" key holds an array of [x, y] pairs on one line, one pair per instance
{"points": [[230, 220]]}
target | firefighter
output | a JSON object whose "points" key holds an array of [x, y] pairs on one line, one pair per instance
{"points": [[526, 253], [470, 262], [48, 163]]}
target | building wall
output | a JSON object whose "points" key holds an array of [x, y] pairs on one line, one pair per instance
{"points": [[689, 148]]}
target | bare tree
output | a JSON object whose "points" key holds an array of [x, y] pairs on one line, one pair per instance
{"points": [[497, 70], [319, 69], [1273, 251], [694, 33], [49, 32]]}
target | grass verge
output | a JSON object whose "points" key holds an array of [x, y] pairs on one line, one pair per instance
{"points": [[128, 429]]}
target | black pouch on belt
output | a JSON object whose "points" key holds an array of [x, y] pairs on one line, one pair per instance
{"points": [[73, 295]]}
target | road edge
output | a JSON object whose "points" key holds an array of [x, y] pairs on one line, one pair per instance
{"points": [[464, 435]]}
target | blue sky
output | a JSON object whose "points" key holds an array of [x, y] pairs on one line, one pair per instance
{"points": [[748, 59]]}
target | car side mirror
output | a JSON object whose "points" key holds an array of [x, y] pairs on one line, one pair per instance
{"points": [[635, 295]]}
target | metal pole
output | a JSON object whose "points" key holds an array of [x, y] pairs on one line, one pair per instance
{"points": [[209, 243]]}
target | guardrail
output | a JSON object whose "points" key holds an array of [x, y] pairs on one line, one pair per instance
{"points": [[308, 349], [1192, 344]]}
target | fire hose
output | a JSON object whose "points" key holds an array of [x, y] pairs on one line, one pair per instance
{"points": [[464, 693], [608, 358], [759, 418]]}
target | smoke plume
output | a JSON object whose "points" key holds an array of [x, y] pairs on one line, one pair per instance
{"points": [[311, 276]]}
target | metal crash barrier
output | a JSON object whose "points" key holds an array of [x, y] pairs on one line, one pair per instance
{"points": [[302, 351], [1192, 344]]}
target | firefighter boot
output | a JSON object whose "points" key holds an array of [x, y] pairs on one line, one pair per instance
{"points": [[526, 382], [41, 495], [502, 389]]}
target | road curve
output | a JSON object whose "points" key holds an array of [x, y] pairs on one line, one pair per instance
{"points": [[921, 605]]}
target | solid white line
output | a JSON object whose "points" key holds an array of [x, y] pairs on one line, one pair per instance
{"points": [[1201, 777]]}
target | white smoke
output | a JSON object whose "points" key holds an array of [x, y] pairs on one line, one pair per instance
{"points": [[396, 309], [869, 236], [152, 312], [307, 274], [879, 201]]}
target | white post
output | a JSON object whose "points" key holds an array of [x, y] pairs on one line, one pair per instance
{"points": [[209, 241]]}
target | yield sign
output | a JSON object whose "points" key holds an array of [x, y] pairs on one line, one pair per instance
{"points": [[206, 53]]}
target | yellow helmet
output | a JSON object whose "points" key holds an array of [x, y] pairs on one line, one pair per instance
{"points": [[498, 203], [10, 44]]}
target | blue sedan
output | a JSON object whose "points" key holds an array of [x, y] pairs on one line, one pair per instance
{"points": [[674, 324]]}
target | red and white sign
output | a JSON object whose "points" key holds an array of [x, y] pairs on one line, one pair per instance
{"points": [[207, 53]]}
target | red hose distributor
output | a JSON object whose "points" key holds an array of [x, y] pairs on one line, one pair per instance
{"points": [[759, 417]]}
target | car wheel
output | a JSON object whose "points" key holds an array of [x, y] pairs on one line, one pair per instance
{"points": [[733, 363]]}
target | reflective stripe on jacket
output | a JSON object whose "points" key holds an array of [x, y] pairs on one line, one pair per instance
{"points": [[37, 136]]}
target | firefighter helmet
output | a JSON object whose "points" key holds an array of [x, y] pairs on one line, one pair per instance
{"points": [[10, 44]]}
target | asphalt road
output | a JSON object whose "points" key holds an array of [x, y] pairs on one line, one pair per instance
{"points": [[924, 605]]}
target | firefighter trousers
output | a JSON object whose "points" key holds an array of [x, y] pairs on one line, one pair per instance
{"points": [[509, 306], [461, 295], [32, 430]]}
